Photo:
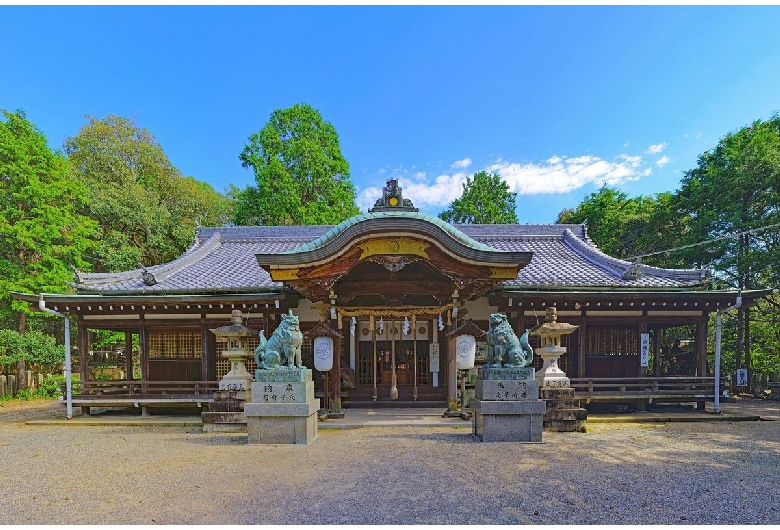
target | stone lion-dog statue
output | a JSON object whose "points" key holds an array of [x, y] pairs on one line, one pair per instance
{"points": [[284, 346], [503, 343]]}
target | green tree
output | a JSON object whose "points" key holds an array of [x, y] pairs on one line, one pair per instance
{"points": [[32, 347], [627, 227], [42, 235], [301, 175], [147, 210], [732, 197], [486, 199], [725, 216]]}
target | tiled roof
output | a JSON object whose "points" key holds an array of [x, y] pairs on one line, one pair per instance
{"points": [[223, 260]]}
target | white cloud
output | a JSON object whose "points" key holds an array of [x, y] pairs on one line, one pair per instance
{"points": [[557, 174], [462, 164], [561, 175], [662, 161], [655, 149]]}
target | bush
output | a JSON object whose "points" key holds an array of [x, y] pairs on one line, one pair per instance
{"points": [[48, 388]]}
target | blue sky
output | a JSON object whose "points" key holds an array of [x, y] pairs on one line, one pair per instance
{"points": [[558, 100]]}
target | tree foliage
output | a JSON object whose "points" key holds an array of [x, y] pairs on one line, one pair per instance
{"points": [[736, 188], [486, 199], [42, 234], [725, 216], [732, 197], [33, 347], [627, 227], [146, 209], [301, 176]]}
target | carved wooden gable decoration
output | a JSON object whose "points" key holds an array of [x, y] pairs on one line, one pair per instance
{"points": [[393, 254]]}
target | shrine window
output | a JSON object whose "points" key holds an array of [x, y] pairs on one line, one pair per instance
{"points": [[175, 345], [611, 341]]}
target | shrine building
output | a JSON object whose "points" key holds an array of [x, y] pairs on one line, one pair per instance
{"points": [[396, 286]]}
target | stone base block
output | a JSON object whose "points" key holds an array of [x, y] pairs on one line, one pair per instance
{"points": [[563, 414], [554, 381], [282, 392], [283, 374], [508, 421], [281, 423], [227, 402], [506, 390], [223, 421], [235, 383], [506, 372]]}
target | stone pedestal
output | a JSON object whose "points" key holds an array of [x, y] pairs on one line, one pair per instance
{"points": [[226, 413], [563, 412], [551, 376], [774, 388], [237, 379], [507, 407], [282, 407]]}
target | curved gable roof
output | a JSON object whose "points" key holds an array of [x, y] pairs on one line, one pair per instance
{"points": [[398, 223], [222, 260]]}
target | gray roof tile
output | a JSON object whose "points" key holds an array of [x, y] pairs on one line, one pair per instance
{"points": [[223, 260]]}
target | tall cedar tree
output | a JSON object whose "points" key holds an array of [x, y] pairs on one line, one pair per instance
{"points": [[486, 199], [301, 176], [42, 235]]}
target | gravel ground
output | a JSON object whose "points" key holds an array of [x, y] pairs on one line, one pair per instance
{"points": [[676, 473]]}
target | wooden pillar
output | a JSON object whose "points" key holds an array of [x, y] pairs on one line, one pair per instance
{"points": [[657, 354], [452, 379], [144, 350], [83, 335], [128, 355], [701, 348], [204, 349], [581, 332], [336, 371], [83, 351], [372, 324], [641, 371]]}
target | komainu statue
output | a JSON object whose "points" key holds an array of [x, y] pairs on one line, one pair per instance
{"points": [[284, 346], [504, 346]]}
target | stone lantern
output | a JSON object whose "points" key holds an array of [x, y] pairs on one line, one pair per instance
{"points": [[551, 376], [237, 379], [563, 413]]}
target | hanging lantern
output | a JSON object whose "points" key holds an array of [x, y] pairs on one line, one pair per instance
{"points": [[323, 353], [466, 350]]}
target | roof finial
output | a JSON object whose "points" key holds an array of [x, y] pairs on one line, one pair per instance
{"points": [[392, 199]]}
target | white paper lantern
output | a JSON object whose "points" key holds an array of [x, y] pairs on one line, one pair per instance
{"points": [[465, 351], [323, 353]]}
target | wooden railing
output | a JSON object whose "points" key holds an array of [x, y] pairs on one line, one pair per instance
{"points": [[137, 388], [647, 389]]}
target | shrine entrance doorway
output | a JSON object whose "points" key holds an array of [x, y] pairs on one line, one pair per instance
{"points": [[384, 363]]}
